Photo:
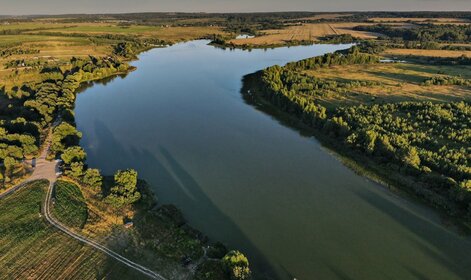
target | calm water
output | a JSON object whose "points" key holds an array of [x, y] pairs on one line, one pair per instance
{"points": [[245, 179]]}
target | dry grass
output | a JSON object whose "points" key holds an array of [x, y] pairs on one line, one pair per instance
{"points": [[395, 82], [305, 32], [430, 53]]}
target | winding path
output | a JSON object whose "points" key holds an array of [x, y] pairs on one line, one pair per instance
{"points": [[48, 170]]}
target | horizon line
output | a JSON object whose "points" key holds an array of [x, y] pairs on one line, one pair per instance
{"points": [[234, 12]]}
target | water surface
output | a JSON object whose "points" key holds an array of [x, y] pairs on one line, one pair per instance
{"points": [[243, 178]]}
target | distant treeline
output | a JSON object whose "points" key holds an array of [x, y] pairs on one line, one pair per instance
{"points": [[424, 33]]}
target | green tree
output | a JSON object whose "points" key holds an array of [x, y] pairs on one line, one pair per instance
{"points": [[64, 135], [125, 190], [237, 264], [75, 171], [92, 178], [73, 154], [411, 157], [9, 163]]}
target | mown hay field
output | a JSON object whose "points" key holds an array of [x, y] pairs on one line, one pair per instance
{"points": [[392, 82], [429, 53]]}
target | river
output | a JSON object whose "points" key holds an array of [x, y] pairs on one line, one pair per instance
{"points": [[245, 179]]}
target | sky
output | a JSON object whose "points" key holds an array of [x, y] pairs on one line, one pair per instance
{"points": [[25, 7]]}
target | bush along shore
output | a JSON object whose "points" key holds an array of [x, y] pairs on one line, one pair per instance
{"points": [[420, 146]]}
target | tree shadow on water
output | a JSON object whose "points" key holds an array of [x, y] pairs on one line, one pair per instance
{"points": [[443, 245], [174, 184]]}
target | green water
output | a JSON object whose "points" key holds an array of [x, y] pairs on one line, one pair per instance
{"points": [[243, 178]]}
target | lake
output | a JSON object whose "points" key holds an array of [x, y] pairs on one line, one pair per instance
{"points": [[245, 179]]}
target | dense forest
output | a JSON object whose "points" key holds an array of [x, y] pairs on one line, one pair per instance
{"points": [[423, 146]]}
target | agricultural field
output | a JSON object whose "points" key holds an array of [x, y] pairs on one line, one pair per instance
{"points": [[54, 43], [427, 53], [31, 249], [304, 32], [392, 82]]}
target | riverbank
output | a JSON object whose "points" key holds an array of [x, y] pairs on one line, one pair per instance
{"points": [[254, 94]]}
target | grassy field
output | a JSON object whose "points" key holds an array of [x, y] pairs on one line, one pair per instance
{"points": [[70, 207], [31, 249], [393, 82]]}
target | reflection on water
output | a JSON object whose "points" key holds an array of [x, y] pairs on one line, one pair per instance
{"points": [[252, 182]]}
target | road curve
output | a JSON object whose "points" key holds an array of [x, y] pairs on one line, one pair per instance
{"points": [[48, 170], [110, 253]]}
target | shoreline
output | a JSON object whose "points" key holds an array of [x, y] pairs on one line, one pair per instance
{"points": [[355, 161]]}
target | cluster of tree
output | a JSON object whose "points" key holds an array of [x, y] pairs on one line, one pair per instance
{"points": [[420, 140], [237, 264], [338, 39], [428, 141], [33, 107], [17, 51], [223, 265], [129, 49], [423, 33], [347, 57], [125, 190], [447, 80], [18, 140]]}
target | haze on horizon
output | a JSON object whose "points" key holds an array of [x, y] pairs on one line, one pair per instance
{"points": [[28, 7]]}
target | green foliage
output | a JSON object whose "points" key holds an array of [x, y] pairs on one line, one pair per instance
{"points": [[427, 143], [125, 191], [237, 264], [92, 178], [75, 170], [73, 154], [64, 135], [447, 80], [351, 56], [124, 49]]}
